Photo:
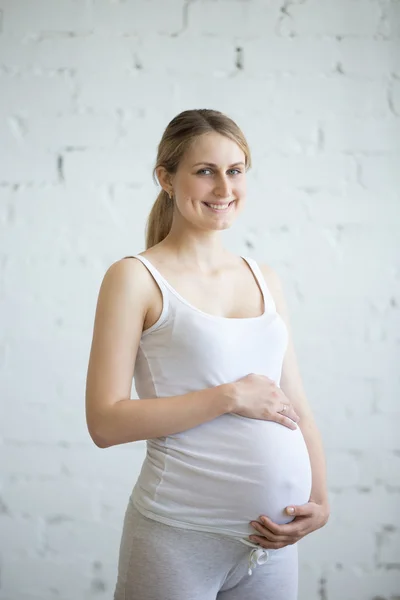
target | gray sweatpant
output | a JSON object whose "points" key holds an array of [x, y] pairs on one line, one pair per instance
{"points": [[160, 562]]}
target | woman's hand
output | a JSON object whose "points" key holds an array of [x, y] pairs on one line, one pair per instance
{"points": [[257, 397], [308, 518]]}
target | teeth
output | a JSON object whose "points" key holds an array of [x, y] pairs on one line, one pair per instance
{"points": [[219, 206]]}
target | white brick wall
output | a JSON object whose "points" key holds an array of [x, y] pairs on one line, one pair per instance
{"points": [[86, 90]]}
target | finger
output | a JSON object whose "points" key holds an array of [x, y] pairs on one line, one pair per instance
{"points": [[287, 410], [266, 533], [272, 545], [286, 421], [303, 510], [288, 529], [292, 414], [285, 537]]}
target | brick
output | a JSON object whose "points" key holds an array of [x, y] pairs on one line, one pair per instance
{"points": [[388, 546], [392, 18], [316, 172], [210, 56], [355, 392], [113, 500], [243, 19], [297, 56], [353, 584], [27, 166], [96, 466], [366, 136], [378, 468], [79, 207], [91, 53], [370, 430], [308, 578], [104, 167], [22, 596], [83, 539], [66, 16], [327, 96], [377, 507], [353, 204], [390, 470], [357, 549], [150, 16], [379, 173], [281, 134], [288, 209], [59, 498], [71, 131], [344, 469], [11, 134], [395, 97], [38, 461], [66, 579], [334, 17], [387, 393], [143, 127], [43, 424], [35, 95], [132, 92], [236, 96], [22, 535], [359, 56]]}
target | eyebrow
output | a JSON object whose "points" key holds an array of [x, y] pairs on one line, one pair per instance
{"points": [[214, 165]]}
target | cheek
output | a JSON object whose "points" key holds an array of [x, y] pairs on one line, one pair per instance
{"points": [[241, 188]]}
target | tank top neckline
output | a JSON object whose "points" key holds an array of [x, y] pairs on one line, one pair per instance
{"points": [[261, 284]]}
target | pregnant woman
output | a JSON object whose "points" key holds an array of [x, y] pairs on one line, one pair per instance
{"points": [[234, 474]]}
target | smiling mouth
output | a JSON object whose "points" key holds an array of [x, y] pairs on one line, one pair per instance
{"points": [[219, 207]]}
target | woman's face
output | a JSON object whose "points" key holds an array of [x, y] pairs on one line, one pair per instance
{"points": [[209, 186]]}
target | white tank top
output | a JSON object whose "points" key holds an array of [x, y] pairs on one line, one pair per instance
{"points": [[220, 475]]}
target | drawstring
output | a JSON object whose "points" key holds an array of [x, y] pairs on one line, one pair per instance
{"points": [[258, 556]]}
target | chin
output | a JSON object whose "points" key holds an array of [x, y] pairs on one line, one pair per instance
{"points": [[222, 225]]}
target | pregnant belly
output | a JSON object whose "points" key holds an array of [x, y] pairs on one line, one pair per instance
{"points": [[232, 470]]}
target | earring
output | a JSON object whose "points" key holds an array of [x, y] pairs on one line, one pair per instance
{"points": [[170, 195]]}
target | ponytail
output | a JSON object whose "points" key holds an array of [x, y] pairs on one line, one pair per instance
{"points": [[159, 221]]}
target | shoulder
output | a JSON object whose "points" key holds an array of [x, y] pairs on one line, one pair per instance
{"points": [[275, 286], [274, 282], [125, 271], [127, 277]]}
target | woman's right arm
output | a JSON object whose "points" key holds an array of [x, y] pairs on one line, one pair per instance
{"points": [[112, 417]]}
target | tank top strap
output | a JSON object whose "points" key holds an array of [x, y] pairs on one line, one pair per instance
{"points": [[268, 298], [161, 284], [156, 274]]}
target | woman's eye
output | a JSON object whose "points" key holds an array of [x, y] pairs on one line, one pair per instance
{"points": [[231, 171]]}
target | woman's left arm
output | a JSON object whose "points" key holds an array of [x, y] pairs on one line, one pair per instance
{"points": [[315, 513]]}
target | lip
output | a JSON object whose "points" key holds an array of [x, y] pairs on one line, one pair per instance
{"points": [[220, 211]]}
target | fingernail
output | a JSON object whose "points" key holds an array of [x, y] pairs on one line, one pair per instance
{"points": [[290, 510]]}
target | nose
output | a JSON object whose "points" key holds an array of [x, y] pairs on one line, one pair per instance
{"points": [[223, 187]]}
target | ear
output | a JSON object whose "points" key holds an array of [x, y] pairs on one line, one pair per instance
{"points": [[165, 179]]}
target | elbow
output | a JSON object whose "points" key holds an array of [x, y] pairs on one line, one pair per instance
{"points": [[99, 441], [98, 438]]}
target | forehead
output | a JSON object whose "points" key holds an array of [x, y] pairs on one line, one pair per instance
{"points": [[214, 148]]}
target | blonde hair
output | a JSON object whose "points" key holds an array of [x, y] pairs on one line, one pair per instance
{"points": [[176, 140]]}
